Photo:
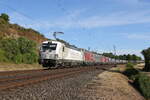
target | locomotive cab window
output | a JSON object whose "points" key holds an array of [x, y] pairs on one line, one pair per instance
{"points": [[49, 46]]}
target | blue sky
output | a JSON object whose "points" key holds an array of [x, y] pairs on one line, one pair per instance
{"points": [[98, 24]]}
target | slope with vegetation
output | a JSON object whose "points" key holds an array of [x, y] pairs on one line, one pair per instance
{"points": [[20, 50], [18, 44], [14, 30]]}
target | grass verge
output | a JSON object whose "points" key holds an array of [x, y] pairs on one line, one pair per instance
{"points": [[13, 67], [140, 81]]}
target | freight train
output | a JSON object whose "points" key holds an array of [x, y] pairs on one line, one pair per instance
{"points": [[58, 54]]}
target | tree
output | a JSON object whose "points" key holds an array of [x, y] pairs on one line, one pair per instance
{"points": [[146, 54], [128, 57], [134, 58], [5, 17]]}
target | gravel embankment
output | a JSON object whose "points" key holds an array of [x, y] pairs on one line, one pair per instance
{"points": [[110, 85], [67, 88]]}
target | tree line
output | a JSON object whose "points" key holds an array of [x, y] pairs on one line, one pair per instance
{"points": [[129, 57]]}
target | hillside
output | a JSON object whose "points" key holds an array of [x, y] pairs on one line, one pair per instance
{"points": [[13, 30]]}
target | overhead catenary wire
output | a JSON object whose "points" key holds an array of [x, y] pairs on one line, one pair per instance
{"points": [[22, 14], [32, 20], [60, 5]]}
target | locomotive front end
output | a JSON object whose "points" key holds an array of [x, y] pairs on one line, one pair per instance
{"points": [[48, 53]]}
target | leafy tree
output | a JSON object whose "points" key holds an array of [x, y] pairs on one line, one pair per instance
{"points": [[146, 54], [128, 57], [134, 58], [5, 17]]}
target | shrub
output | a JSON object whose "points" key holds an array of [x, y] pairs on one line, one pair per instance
{"points": [[129, 65], [3, 56], [19, 50], [142, 83], [30, 58], [10, 46], [131, 72], [25, 45], [18, 59]]}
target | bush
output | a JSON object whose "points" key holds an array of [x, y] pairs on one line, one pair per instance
{"points": [[10, 46], [17, 59], [130, 71], [19, 50], [3, 56], [30, 58], [25, 45], [129, 65], [142, 83]]}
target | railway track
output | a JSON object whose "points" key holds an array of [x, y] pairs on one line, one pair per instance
{"points": [[22, 78]]}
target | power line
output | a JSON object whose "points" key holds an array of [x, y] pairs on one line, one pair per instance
{"points": [[59, 4], [33, 21], [11, 8]]}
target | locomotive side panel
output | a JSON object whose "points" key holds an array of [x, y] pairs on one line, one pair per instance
{"points": [[72, 54]]}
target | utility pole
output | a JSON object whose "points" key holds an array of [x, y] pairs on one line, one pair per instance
{"points": [[55, 33], [115, 54]]}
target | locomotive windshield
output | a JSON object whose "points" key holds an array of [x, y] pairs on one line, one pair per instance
{"points": [[49, 46]]}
